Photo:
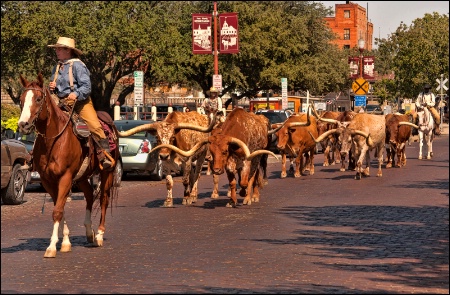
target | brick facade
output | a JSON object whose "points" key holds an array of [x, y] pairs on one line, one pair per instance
{"points": [[351, 17]]}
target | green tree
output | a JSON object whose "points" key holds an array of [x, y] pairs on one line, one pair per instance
{"points": [[417, 54], [277, 39]]}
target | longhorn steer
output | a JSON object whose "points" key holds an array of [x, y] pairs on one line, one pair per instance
{"points": [[362, 134], [183, 130], [329, 145], [242, 133], [293, 140], [398, 132]]}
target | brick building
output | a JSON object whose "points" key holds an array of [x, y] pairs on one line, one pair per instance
{"points": [[350, 23]]}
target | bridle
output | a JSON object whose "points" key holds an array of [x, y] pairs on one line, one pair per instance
{"points": [[36, 116]]}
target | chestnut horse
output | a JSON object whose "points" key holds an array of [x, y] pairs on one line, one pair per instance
{"points": [[62, 159]]}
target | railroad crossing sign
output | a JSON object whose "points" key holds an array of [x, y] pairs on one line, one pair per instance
{"points": [[441, 83], [360, 86]]}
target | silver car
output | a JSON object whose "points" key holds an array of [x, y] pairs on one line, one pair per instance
{"points": [[135, 149]]}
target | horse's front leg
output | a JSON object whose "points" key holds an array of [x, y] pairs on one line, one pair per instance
{"points": [[59, 197], [430, 145]]}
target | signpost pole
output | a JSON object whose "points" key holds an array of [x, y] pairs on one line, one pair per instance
{"points": [[216, 53]]}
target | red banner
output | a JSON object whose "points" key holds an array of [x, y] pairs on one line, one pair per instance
{"points": [[229, 33], [201, 33], [368, 67]]}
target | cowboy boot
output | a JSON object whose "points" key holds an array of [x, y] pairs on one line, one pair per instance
{"points": [[105, 161]]}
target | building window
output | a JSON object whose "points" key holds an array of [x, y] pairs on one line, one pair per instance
{"points": [[346, 34], [346, 46], [346, 13]]}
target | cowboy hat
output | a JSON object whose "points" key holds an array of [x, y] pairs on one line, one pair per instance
{"points": [[68, 43], [427, 86], [213, 89]]}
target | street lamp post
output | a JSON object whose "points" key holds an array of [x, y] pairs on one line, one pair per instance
{"points": [[361, 49]]}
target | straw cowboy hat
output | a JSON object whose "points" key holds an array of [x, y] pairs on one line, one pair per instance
{"points": [[68, 43]]}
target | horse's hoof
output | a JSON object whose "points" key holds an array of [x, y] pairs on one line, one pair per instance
{"points": [[50, 253], [66, 248], [420, 157]]}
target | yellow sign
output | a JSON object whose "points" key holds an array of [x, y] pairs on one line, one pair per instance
{"points": [[360, 86]]}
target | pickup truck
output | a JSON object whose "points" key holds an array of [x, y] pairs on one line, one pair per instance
{"points": [[14, 171]]}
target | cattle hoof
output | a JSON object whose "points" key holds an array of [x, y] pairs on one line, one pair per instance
{"points": [[168, 204], [379, 175], [358, 176], [255, 200], [389, 165], [297, 175], [338, 162], [214, 196], [247, 201], [342, 169], [231, 204], [325, 164], [420, 157], [283, 175]]}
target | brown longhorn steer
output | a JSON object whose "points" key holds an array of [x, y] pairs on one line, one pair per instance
{"points": [[294, 141], [330, 150], [362, 134], [398, 132], [183, 130]]}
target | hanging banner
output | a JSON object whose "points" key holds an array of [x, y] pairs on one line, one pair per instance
{"points": [[368, 64], [201, 33], [229, 33], [368, 67]]}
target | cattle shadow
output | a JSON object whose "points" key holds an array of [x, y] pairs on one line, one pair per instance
{"points": [[409, 245], [41, 244]]}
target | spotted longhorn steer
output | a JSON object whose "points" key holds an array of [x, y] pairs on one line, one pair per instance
{"points": [[362, 134], [294, 141], [185, 131], [398, 132]]}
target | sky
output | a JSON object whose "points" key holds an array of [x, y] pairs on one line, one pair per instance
{"points": [[387, 15]]}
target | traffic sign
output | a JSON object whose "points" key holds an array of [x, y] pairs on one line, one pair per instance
{"points": [[217, 82], [360, 86], [284, 95], [138, 87], [360, 100]]}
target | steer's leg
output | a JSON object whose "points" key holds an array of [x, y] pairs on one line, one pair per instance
{"points": [[215, 193], [283, 165], [169, 185], [232, 182]]}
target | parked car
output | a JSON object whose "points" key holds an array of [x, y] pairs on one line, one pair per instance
{"points": [[135, 149], [274, 116], [28, 140], [373, 109], [14, 171]]}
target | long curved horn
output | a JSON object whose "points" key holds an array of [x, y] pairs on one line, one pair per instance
{"points": [[408, 124], [145, 127], [315, 112], [179, 151], [279, 126], [196, 127], [369, 140], [260, 152], [248, 155], [300, 124], [323, 135]]}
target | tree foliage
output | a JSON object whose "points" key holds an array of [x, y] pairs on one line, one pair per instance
{"points": [[417, 54], [277, 39]]}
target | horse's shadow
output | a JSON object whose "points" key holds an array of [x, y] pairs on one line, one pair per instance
{"points": [[41, 244]]}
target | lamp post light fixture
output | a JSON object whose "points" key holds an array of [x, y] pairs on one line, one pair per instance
{"points": [[361, 44]]}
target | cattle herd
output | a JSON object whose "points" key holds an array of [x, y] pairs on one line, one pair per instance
{"points": [[239, 146]]}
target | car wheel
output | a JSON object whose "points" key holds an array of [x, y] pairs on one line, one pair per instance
{"points": [[158, 173], [118, 173], [14, 192]]}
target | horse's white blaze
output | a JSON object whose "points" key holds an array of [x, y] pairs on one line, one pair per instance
{"points": [[26, 111]]}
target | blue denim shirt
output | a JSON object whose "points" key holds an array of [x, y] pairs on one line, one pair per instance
{"points": [[81, 80]]}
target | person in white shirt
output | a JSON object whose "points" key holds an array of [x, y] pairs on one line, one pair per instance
{"points": [[213, 104], [427, 99]]}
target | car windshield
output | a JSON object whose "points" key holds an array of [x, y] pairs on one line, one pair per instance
{"points": [[274, 117]]}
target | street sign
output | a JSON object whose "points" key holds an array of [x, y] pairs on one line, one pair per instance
{"points": [[138, 87], [360, 86], [360, 100], [284, 95], [217, 82], [441, 84]]}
